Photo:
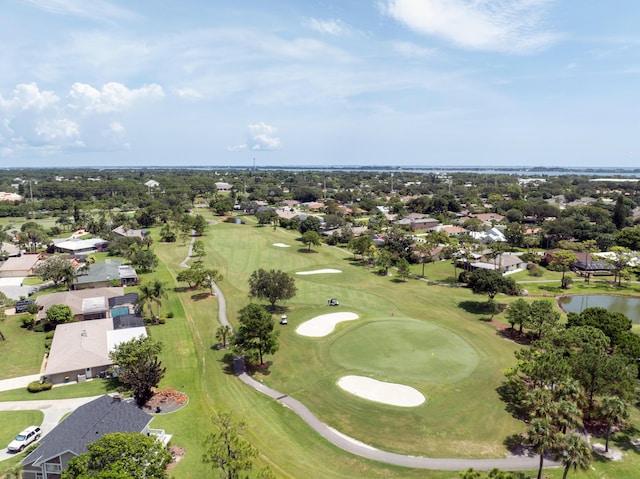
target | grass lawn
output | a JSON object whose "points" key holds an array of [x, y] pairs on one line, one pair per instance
{"points": [[22, 352], [11, 423]]}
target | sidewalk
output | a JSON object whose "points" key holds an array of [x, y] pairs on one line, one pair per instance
{"points": [[19, 382]]}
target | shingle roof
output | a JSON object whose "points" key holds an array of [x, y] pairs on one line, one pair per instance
{"points": [[87, 424]]}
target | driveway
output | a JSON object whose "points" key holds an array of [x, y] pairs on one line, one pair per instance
{"points": [[53, 410], [13, 288]]}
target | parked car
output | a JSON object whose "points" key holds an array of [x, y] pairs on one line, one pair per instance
{"points": [[23, 305], [26, 437]]}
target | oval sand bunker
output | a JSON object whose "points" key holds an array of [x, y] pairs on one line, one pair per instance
{"points": [[324, 324], [378, 391], [320, 271], [281, 245]]}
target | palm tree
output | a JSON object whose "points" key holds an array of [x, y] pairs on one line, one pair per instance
{"points": [[541, 438], [223, 333], [575, 452], [145, 298], [614, 411], [159, 293], [569, 416]]}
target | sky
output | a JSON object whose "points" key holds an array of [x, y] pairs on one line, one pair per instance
{"points": [[421, 83]]}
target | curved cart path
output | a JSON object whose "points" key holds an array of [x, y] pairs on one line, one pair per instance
{"points": [[352, 446]]}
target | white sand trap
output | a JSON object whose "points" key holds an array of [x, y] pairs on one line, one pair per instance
{"points": [[324, 324], [320, 271], [378, 391], [281, 245]]}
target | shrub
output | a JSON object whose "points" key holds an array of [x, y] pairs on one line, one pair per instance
{"points": [[536, 272], [464, 277], [49, 335], [170, 314], [27, 322], [47, 343], [530, 257], [36, 386]]}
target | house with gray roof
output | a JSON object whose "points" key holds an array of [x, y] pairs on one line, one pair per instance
{"points": [[104, 274], [129, 232], [87, 424], [84, 303]]}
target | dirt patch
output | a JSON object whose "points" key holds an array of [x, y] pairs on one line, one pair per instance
{"points": [[166, 401], [177, 453]]}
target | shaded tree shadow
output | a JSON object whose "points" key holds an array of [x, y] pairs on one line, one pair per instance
{"points": [[398, 280], [515, 444], [264, 369], [474, 307], [181, 289], [227, 361], [623, 439], [306, 250], [515, 336], [277, 309], [200, 296], [113, 384]]}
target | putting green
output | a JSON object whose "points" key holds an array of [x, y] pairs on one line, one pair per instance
{"points": [[405, 350]]}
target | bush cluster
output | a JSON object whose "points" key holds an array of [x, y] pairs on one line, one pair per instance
{"points": [[37, 386]]}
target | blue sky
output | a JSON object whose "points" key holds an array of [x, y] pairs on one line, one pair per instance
{"points": [[344, 82]]}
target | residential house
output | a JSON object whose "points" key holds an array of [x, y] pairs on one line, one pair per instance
{"points": [[503, 263], [494, 235], [80, 350], [87, 424], [223, 187], [104, 274], [21, 266], [418, 224], [129, 232], [85, 304], [80, 247]]}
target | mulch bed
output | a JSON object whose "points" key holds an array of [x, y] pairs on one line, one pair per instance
{"points": [[166, 401], [177, 453]]}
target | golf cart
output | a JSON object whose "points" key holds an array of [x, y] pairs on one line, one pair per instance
{"points": [[333, 302], [283, 319]]}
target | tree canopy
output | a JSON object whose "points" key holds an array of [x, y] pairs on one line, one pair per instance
{"points": [[272, 285], [120, 455], [255, 335], [139, 366]]}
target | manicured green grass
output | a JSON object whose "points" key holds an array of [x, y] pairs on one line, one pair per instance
{"points": [[73, 390], [22, 352], [389, 349], [12, 422]]}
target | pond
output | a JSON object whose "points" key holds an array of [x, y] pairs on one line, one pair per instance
{"points": [[629, 306], [236, 221]]}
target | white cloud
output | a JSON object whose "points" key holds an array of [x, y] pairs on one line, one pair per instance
{"points": [[57, 130], [261, 137], [329, 27], [113, 97], [27, 96], [512, 26], [34, 120]]}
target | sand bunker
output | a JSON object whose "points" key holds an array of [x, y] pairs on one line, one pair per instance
{"points": [[324, 324], [320, 271], [281, 245], [378, 391]]}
